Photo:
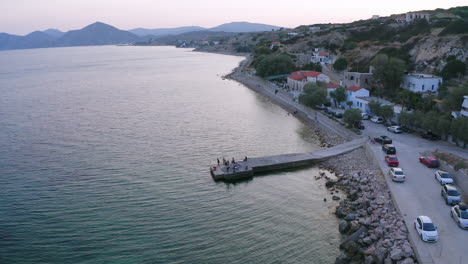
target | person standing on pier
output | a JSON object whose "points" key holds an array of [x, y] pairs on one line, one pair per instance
{"points": [[217, 160]]}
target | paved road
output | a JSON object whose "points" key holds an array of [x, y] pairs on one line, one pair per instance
{"points": [[420, 195]]}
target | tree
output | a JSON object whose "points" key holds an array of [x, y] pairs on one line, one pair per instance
{"points": [[333, 96], [454, 99], [443, 127], [454, 68], [349, 104], [351, 116], [312, 67], [340, 64], [388, 72], [313, 95], [375, 107], [455, 126], [386, 112], [340, 95], [429, 121], [407, 119], [274, 65]]}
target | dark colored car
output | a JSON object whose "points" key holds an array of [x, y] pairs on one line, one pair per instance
{"points": [[383, 140], [392, 160], [359, 125], [429, 135], [338, 115], [429, 161], [389, 149]]}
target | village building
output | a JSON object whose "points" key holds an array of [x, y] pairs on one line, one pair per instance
{"points": [[464, 109], [275, 44], [298, 79], [314, 29], [355, 95], [411, 16], [422, 83], [320, 56], [358, 79]]}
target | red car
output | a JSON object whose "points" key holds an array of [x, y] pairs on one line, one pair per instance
{"points": [[392, 160], [429, 161]]}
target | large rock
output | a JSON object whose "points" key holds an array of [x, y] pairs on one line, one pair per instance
{"points": [[344, 227], [396, 253], [407, 261], [340, 212], [342, 259], [407, 250], [350, 217]]}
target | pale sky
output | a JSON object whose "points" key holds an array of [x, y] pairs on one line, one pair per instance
{"points": [[24, 16]]}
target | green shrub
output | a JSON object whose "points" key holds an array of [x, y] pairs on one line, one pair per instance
{"points": [[460, 165]]}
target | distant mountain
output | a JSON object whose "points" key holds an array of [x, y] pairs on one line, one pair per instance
{"points": [[36, 39], [54, 33], [96, 34], [244, 27], [164, 31]]}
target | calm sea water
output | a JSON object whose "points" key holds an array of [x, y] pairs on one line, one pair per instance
{"points": [[104, 155]]}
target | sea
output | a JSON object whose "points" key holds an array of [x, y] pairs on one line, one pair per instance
{"points": [[105, 154]]}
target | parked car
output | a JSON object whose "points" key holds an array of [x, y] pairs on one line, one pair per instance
{"points": [[429, 135], [392, 160], [394, 129], [389, 149], [459, 213], [365, 116], [443, 177], [397, 174], [383, 140], [426, 229], [406, 129], [338, 115], [377, 120], [429, 161], [450, 194], [359, 125]]}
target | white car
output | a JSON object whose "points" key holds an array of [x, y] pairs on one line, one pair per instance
{"points": [[443, 177], [364, 116], [377, 120], [397, 174], [459, 213], [394, 129], [426, 229]]}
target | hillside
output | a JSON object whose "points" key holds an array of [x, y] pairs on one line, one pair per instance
{"points": [[164, 31], [243, 27], [96, 34]]}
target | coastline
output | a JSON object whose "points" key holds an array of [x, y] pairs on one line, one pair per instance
{"points": [[329, 132], [368, 211]]}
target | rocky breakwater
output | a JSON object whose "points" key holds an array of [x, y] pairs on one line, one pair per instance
{"points": [[372, 228]]}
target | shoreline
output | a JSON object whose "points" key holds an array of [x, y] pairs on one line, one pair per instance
{"points": [[330, 132], [368, 211]]}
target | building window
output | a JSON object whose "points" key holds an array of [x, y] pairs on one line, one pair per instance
{"points": [[432, 87], [423, 87], [351, 78]]}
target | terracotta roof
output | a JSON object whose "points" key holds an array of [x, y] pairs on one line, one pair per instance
{"points": [[275, 43], [332, 85], [297, 77], [354, 88], [323, 54], [305, 74]]}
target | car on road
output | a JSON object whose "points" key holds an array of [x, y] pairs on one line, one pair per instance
{"points": [[426, 229], [394, 129], [392, 160], [429, 161], [443, 177], [377, 120], [459, 213], [389, 149], [450, 194], [338, 115], [429, 135], [365, 116], [383, 140], [397, 174]]}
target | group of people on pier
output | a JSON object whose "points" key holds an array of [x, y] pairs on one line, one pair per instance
{"points": [[230, 164]]}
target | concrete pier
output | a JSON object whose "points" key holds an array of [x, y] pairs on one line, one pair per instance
{"points": [[247, 169]]}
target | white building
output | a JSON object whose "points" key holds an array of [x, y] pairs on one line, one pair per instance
{"points": [[355, 95], [298, 79], [320, 56], [314, 29], [464, 109], [410, 16], [275, 44], [422, 83]]}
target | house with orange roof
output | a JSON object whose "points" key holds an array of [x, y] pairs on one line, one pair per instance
{"points": [[298, 79]]}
